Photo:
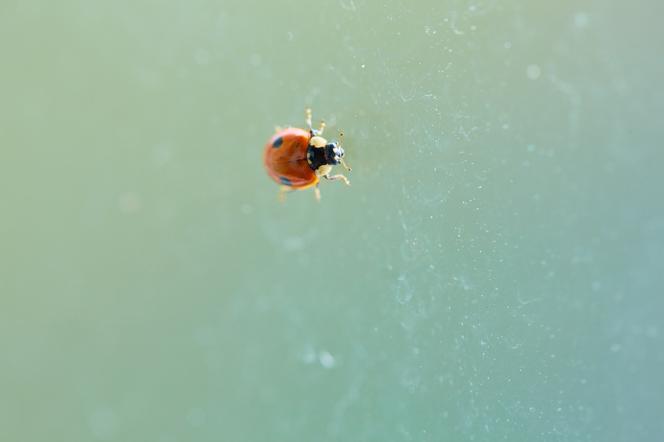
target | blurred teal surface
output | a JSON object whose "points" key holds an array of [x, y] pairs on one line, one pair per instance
{"points": [[495, 272]]}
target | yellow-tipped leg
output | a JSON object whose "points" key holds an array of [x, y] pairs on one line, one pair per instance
{"points": [[317, 193], [283, 190], [307, 120], [307, 117], [337, 177]]}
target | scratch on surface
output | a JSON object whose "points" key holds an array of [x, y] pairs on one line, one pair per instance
{"points": [[574, 103], [403, 221], [523, 302], [348, 5], [342, 77], [345, 402]]}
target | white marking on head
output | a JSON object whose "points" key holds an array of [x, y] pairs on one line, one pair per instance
{"points": [[318, 141]]}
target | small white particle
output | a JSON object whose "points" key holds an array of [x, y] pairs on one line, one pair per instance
{"points": [[293, 243], [652, 331], [129, 202], [581, 20], [204, 336], [196, 417], [255, 60], [404, 290], [533, 72], [103, 423], [326, 359], [363, 66], [202, 57], [161, 155], [348, 5], [308, 355], [507, 45]]}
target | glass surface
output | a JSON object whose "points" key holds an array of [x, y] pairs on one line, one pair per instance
{"points": [[495, 271]]}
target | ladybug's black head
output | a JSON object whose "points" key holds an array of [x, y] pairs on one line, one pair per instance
{"points": [[334, 153]]}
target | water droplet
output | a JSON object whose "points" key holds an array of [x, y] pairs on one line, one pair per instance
{"points": [[255, 60], [581, 20], [103, 423], [202, 57], [129, 202], [533, 72], [326, 359], [196, 417]]}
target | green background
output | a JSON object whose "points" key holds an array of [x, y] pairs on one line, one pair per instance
{"points": [[495, 272]]}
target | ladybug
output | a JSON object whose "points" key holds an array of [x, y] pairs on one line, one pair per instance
{"points": [[297, 158]]}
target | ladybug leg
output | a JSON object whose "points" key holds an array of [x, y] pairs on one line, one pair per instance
{"points": [[337, 177], [307, 118], [317, 193], [283, 190]]}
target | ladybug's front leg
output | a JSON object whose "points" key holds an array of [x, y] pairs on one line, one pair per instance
{"points": [[307, 120], [337, 177], [317, 193], [321, 128]]}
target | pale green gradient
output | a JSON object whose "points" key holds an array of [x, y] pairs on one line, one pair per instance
{"points": [[495, 272]]}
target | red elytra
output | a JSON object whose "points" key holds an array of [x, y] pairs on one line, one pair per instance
{"points": [[286, 161]]}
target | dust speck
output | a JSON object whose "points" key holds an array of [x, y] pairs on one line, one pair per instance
{"points": [[103, 423]]}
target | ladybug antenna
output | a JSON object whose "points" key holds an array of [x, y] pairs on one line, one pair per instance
{"points": [[341, 160]]}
